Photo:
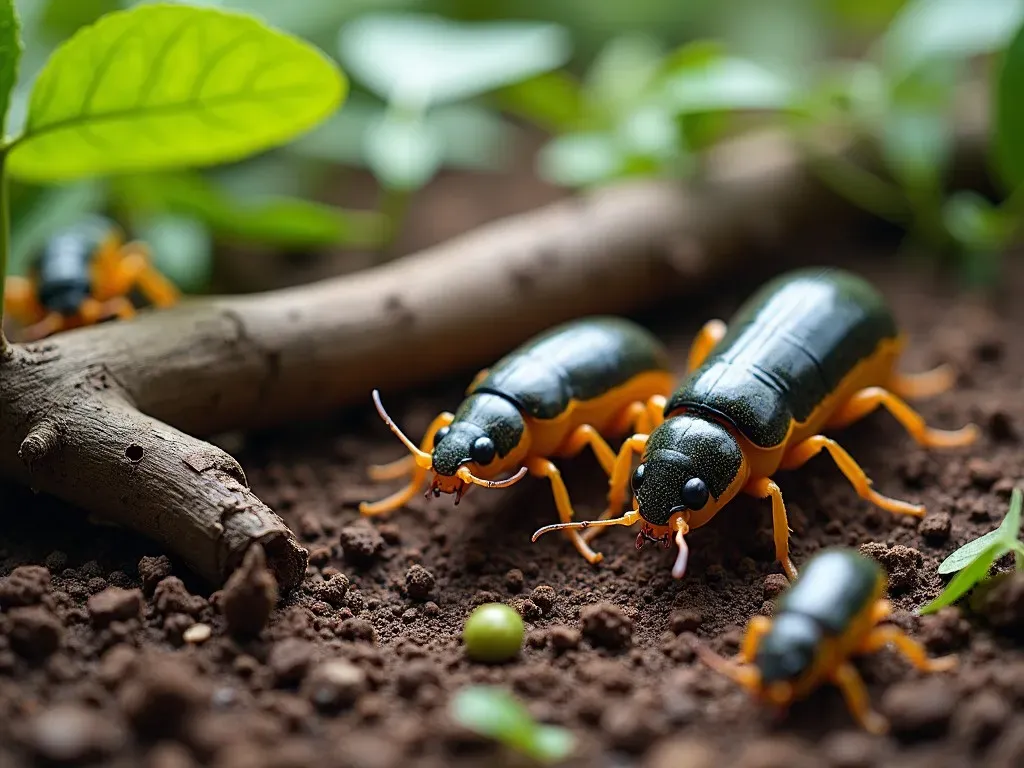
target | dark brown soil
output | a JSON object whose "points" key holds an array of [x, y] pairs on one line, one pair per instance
{"points": [[102, 658]]}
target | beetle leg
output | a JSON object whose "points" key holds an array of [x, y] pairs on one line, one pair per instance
{"points": [[541, 467], [389, 471], [913, 651], [708, 336], [404, 466], [923, 385], [856, 695], [801, 453], [52, 323], [20, 300], [120, 307], [135, 269], [756, 630], [619, 480], [867, 400], [583, 436], [763, 488]]}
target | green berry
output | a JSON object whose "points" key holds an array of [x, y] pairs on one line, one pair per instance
{"points": [[493, 632]]}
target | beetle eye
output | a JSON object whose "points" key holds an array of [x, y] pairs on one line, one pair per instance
{"points": [[637, 479], [695, 493], [440, 435], [482, 451]]}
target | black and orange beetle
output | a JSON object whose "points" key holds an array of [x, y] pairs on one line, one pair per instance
{"points": [[84, 275], [568, 388], [812, 350], [829, 615]]}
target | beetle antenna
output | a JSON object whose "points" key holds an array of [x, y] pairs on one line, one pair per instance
{"points": [[630, 518], [422, 458], [469, 477], [744, 675], [679, 568]]}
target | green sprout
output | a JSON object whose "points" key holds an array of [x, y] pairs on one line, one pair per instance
{"points": [[493, 713], [197, 90], [973, 560]]}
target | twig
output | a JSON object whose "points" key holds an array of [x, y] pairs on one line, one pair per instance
{"points": [[85, 416]]}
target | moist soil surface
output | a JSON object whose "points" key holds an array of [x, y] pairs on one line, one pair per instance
{"points": [[110, 653]]}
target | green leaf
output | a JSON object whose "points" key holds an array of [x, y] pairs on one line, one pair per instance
{"points": [[975, 223], [621, 73], [493, 713], [10, 54], [1009, 114], [403, 151], [553, 100], [929, 30], [164, 86], [1006, 533], [967, 578], [286, 222], [416, 60], [181, 248], [62, 18], [1010, 527], [581, 159], [700, 78]]}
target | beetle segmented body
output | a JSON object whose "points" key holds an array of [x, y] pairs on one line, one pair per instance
{"points": [[83, 275], [565, 389], [811, 350], [829, 615]]}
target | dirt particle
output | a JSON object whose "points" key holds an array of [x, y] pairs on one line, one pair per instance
{"points": [[415, 675], [26, 585], [361, 544], [289, 659], [544, 598], [116, 666], [419, 583], [606, 626], [333, 590], [774, 585], [980, 719], [514, 581], [153, 570], [171, 596], [902, 564], [528, 609], [1002, 603], [161, 696], [850, 749], [563, 638], [944, 631], [71, 733], [34, 633], [983, 472], [114, 604], [919, 708], [935, 527], [1001, 427], [684, 621], [683, 751], [358, 630], [168, 754], [335, 684], [632, 728], [778, 752], [249, 595]]}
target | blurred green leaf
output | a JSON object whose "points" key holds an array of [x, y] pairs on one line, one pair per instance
{"points": [[278, 221], [200, 87], [10, 54], [416, 60], [62, 18], [975, 223], [621, 73], [493, 713], [581, 159], [1009, 114], [966, 579], [699, 78], [969, 552], [649, 131], [926, 31], [52, 209], [553, 100], [181, 248], [404, 152]]}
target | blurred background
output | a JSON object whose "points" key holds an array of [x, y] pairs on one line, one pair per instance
{"points": [[462, 111]]}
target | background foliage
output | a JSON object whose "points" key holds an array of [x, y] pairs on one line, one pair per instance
{"points": [[614, 90]]}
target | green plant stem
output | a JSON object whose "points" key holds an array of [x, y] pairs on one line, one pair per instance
{"points": [[394, 205], [5, 239]]}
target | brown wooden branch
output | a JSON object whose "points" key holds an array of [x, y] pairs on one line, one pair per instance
{"points": [[99, 416]]}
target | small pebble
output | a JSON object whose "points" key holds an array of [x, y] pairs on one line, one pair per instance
{"points": [[361, 544], [606, 626], [114, 604], [935, 527], [197, 633], [34, 633], [774, 585], [26, 585], [514, 581], [684, 621], [563, 638], [419, 583], [335, 684], [543, 597]]}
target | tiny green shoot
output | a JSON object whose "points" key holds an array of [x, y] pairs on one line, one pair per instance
{"points": [[493, 713], [973, 560]]}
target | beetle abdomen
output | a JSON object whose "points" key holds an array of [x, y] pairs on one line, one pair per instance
{"points": [[833, 589], [786, 349], [580, 361]]}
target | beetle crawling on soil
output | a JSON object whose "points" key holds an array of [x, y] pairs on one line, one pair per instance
{"points": [[568, 388], [832, 613], [812, 350], [84, 275]]}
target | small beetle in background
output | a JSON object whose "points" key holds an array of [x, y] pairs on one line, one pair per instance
{"points": [[84, 275]]}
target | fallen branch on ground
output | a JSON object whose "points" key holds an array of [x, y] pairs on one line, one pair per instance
{"points": [[87, 415]]}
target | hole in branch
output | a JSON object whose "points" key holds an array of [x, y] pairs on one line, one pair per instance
{"points": [[134, 453]]}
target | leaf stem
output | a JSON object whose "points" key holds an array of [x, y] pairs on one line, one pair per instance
{"points": [[5, 240]]}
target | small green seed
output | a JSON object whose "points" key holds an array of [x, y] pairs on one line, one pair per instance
{"points": [[493, 632]]}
